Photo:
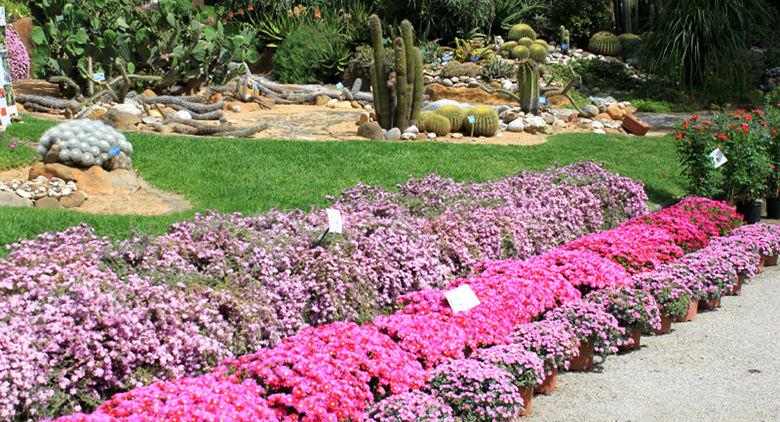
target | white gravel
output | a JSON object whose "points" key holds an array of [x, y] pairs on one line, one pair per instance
{"points": [[723, 366]]}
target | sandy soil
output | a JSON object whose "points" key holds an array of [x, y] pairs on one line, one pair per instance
{"points": [[143, 200]]}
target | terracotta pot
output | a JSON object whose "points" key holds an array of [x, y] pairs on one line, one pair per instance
{"points": [[709, 304], [548, 385], [666, 325], [584, 361], [736, 289], [761, 264], [693, 308], [635, 334], [770, 261], [527, 394]]}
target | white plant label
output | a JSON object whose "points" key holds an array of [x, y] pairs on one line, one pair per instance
{"points": [[2, 16], [461, 298], [335, 221], [99, 77], [718, 159]]}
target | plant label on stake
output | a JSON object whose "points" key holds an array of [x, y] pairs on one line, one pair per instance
{"points": [[461, 298], [99, 77], [472, 121], [114, 151], [718, 159], [335, 221]]}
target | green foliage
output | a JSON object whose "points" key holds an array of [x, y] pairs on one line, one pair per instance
{"points": [[582, 18], [630, 43], [174, 40], [538, 53], [454, 114], [310, 54], [520, 31], [604, 43], [497, 69], [485, 121], [605, 75], [436, 123], [512, 12], [444, 19], [15, 9], [520, 52], [703, 43]]}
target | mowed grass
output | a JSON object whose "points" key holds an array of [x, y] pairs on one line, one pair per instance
{"points": [[251, 176]]}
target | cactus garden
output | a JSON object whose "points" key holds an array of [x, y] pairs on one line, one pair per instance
{"points": [[382, 210]]}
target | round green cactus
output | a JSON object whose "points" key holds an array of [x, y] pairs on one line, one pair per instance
{"points": [[520, 52], [436, 123], [542, 42], [604, 43], [525, 41], [485, 121], [538, 53], [521, 30], [508, 46], [454, 114], [630, 44]]}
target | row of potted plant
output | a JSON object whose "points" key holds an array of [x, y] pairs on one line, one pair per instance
{"points": [[478, 364], [84, 318]]}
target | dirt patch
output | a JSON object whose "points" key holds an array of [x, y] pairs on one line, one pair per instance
{"points": [[144, 200]]}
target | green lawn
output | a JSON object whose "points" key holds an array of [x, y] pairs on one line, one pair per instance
{"points": [[255, 175]]}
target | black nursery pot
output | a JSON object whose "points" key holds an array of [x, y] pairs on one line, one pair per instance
{"points": [[751, 211], [773, 208]]}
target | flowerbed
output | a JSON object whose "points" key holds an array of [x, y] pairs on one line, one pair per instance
{"points": [[93, 318], [336, 371]]}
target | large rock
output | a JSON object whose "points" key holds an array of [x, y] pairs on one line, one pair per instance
{"points": [[535, 124], [48, 202], [517, 125], [120, 162], [129, 107], [93, 181], [12, 200], [120, 120], [590, 110], [614, 112], [74, 200], [455, 69], [371, 130], [123, 179], [393, 134]]}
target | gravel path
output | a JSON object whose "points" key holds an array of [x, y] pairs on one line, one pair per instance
{"points": [[723, 366]]}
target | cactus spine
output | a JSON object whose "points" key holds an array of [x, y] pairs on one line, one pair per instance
{"points": [[528, 86], [408, 78]]}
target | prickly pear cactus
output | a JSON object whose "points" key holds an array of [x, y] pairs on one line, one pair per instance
{"points": [[84, 143]]}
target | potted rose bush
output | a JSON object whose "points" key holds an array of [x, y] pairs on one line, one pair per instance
{"points": [[635, 310], [554, 342]]}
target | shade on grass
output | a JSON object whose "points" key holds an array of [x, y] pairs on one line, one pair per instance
{"points": [[249, 175]]}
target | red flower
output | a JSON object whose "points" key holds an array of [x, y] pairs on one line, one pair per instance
{"points": [[723, 137], [250, 7], [749, 117], [679, 136], [241, 12]]}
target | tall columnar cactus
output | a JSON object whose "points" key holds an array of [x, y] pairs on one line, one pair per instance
{"points": [[604, 43], [528, 86], [405, 104]]}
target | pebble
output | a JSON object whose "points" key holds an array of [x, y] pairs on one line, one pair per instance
{"points": [[412, 129], [431, 135], [393, 134], [447, 83], [183, 114], [599, 131], [517, 125]]}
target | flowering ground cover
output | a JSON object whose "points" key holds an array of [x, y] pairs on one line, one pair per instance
{"points": [[469, 379], [100, 317]]}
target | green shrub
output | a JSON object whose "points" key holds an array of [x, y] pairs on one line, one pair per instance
{"points": [[604, 75], [582, 17], [310, 55]]}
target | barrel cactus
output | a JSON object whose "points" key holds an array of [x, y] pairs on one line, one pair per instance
{"points": [[538, 53], [454, 114], [84, 143], [604, 43], [436, 123], [508, 46], [480, 121], [630, 44], [520, 52], [521, 30], [542, 43], [525, 41]]}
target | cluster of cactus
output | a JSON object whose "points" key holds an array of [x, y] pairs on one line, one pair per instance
{"points": [[84, 143], [521, 30], [436, 123], [528, 86], [565, 36], [480, 121], [604, 43], [454, 115], [20, 58], [406, 104], [630, 44]]}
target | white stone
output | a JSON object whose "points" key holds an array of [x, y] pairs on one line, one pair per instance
{"points": [[431, 135], [129, 107], [456, 135], [183, 114], [599, 132], [408, 136], [597, 125], [412, 129], [393, 134], [548, 118], [535, 124], [517, 125], [332, 103]]}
